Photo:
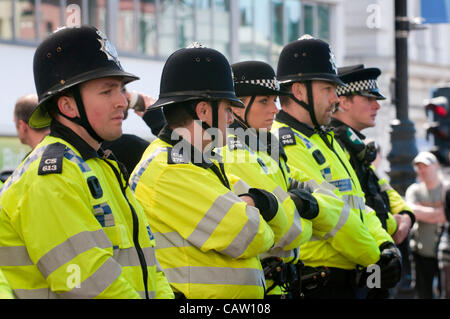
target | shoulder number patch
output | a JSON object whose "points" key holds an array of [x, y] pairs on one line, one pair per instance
{"points": [[52, 159], [286, 136]]}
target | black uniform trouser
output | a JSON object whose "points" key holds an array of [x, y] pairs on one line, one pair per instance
{"points": [[341, 284], [425, 269]]}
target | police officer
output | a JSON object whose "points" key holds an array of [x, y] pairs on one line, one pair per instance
{"points": [[256, 156], [306, 68], [69, 225], [208, 238], [358, 106]]}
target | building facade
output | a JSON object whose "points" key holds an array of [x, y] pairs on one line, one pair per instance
{"points": [[146, 32]]}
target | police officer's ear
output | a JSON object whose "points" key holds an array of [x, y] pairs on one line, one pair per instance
{"points": [[67, 106], [345, 103], [203, 111], [299, 91]]}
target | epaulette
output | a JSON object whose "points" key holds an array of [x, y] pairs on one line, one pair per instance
{"points": [[52, 159], [176, 157], [286, 136], [235, 144]]}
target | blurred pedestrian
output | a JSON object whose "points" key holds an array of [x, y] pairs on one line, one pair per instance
{"points": [[22, 112], [444, 248], [426, 200]]}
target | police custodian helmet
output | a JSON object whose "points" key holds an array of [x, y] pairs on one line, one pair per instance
{"points": [[68, 57], [196, 72], [307, 59]]}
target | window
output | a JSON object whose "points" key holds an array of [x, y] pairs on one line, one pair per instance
{"points": [[246, 31], [262, 30], [24, 15], [204, 22], [308, 19], [6, 17], [186, 28], [292, 17], [148, 28], [323, 22], [221, 29], [167, 27]]}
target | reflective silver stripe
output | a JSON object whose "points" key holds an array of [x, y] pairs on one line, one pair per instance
{"points": [[278, 252], [139, 170], [385, 187], [42, 293], [241, 242], [328, 186], [355, 202], [215, 275], [343, 216], [151, 294], [17, 174], [14, 256], [71, 248], [280, 194], [240, 187], [212, 219], [315, 238], [97, 282], [128, 257], [293, 232], [169, 240]]}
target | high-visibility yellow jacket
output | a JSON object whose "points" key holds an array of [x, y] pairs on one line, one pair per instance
{"points": [[207, 238], [377, 190], [66, 228], [357, 235], [5, 289], [258, 169]]}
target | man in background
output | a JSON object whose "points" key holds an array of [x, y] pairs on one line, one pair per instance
{"points": [[22, 112]]}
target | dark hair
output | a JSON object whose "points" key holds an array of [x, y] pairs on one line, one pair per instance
{"points": [[180, 114], [285, 99], [24, 107]]}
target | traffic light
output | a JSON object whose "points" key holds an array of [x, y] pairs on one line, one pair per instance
{"points": [[438, 130]]}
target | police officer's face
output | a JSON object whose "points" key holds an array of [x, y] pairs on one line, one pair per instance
{"points": [[105, 102], [325, 100], [262, 111], [225, 119], [360, 111]]}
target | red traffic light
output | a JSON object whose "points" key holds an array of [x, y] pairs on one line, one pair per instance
{"points": [[438, 105]]}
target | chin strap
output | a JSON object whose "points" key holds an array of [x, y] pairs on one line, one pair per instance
{"points": [[309, 106], [244, 121], [215, 116], [82, 120]]}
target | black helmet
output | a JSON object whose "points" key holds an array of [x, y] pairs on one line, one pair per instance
{"points": [[307, 59], [68, 57], [360, 81], [255, 78], [196, 72]]}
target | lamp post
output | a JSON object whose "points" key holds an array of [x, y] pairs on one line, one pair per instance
{"points": [[404, 148]]}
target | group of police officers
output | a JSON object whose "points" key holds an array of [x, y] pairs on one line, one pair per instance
{"points": [[286, 205]]}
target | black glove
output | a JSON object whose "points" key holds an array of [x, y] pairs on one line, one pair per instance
{"points": [[305, 203], [390, 265], [265, 201]]}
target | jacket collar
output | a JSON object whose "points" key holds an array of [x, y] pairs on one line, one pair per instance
{"points": [[289, 120], [61, 131], [335, 123], [171, 137]]}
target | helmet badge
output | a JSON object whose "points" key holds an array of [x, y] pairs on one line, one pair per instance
{"points": [[108, 48], [333, 61]]}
